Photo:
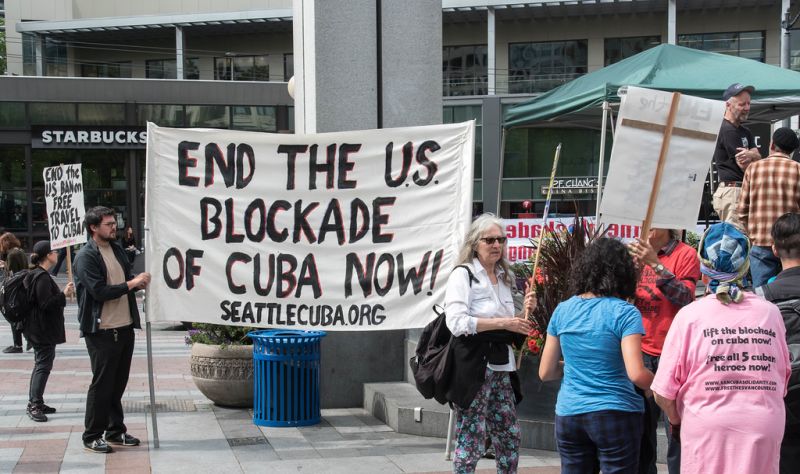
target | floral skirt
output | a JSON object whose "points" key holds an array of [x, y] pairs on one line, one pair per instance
{"points": [[491, 413]]}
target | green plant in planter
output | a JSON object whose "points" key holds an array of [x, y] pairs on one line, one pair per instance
{"points": [[219, 334]]}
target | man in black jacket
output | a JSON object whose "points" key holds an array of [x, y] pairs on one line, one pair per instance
{"points": [[785, 292], [107, 315]]}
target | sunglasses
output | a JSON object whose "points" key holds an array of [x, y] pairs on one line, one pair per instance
{"points": [[492, 240]]}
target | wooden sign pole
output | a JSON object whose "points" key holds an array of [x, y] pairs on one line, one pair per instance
{"points": [[541, 236], [662, 158]]}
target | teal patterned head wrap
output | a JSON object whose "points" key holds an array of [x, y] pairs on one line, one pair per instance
{"points": [[723, 253]]}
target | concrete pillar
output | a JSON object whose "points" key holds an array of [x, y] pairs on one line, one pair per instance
{"points": [[490, 51], [364, 64], [491, 173], [179, 46], [671, 15]]}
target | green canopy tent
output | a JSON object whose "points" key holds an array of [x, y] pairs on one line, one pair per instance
{"points": [[588, 101], [666, 67]]}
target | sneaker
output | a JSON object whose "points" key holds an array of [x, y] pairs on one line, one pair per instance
{"points": [[35, 413], [489, 453], [97, 446], [12, 350], [47, 410], [123, 439]]}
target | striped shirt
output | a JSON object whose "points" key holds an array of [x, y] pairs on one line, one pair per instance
{"points": [[771, 188]]}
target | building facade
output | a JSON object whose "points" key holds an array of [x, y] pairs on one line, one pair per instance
{"points": [[96, 65]]}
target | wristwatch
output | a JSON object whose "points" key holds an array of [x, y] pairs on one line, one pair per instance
{"points": [[659, 268]]}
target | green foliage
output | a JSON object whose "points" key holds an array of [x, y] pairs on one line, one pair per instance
{"points": [[693, 239], [559, 251], [218, 334]]}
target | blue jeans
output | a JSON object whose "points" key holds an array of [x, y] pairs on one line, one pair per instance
{"points": [[608, 436], [763, 265]]}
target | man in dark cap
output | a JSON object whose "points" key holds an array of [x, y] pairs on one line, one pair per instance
{"points": [[736, 150], [771, 188]]}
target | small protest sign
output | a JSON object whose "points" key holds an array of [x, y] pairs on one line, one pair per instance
{"points": [[335, 231], [63, 193], [634, 159]]}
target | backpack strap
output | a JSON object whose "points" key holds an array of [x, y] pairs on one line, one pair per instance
{"points": [[469, 272]]}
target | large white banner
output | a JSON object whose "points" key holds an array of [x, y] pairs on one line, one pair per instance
{"points": [[335, 231], [634, 159], [63, 196]]}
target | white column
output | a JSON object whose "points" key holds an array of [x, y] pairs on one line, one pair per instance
{"points": [[305, 116], [179, 45], [39, 55], [490, 49], [671, 14], [785, 35]]}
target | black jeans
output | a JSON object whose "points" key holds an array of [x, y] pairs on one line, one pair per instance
{"points": [[16, 334], [652, 416], [110, 352], [43, 355]]}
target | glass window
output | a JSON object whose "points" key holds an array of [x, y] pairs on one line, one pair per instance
{"points": [[164, 115], [745, 44], [215, 116], [464, 70], [539, 67], [49, 113], [529, 152], [55, 57], [101, 114], [617, 49], [794, 45], [119, 69], [258, 118], [14, 210], [242, 68], [28, 54], [104, 179], [167, 69], [288, 66], [12, 114], [12, 168]]}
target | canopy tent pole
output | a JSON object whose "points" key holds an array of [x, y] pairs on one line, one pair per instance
{"points": [[500, 173], [603, 127]]}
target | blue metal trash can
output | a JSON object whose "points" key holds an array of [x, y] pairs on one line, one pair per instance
{"points": [[286, 367]]}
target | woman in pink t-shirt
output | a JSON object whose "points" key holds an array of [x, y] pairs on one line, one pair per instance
{"points": [[724, 368]]}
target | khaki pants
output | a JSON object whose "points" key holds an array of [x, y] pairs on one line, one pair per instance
{"points": [[725, 201]]}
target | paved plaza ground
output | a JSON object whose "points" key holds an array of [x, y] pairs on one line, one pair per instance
{"points": [[195, 435]]}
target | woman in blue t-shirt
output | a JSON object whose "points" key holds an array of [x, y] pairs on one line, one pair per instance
{"points": [[599, 334]]}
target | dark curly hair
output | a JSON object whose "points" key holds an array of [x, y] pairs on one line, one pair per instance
{"points": [[605, 268]]}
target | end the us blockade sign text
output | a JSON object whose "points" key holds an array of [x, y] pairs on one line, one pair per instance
{"points": [[314, 222]]}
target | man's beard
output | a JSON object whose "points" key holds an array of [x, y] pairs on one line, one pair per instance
{"points": [[106, 239]]}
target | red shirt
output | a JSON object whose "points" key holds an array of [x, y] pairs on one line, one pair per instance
{"points": [[656, 296]]}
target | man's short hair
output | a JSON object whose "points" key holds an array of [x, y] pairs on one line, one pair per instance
{"points": [[95, 215], [786, 235], [785, 140]]}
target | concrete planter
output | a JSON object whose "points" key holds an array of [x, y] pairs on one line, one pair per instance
{"points": [[539, 398], [224, 374]]}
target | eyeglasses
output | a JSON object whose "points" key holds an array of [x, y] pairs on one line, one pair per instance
{"points": [[492, 240]]}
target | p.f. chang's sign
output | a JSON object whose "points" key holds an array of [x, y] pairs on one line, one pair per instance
{"points": [[573, 185], [88, 137]]}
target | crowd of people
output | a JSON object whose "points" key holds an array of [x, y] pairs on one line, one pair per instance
{"points": [[633, 347], [107, 315]]}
